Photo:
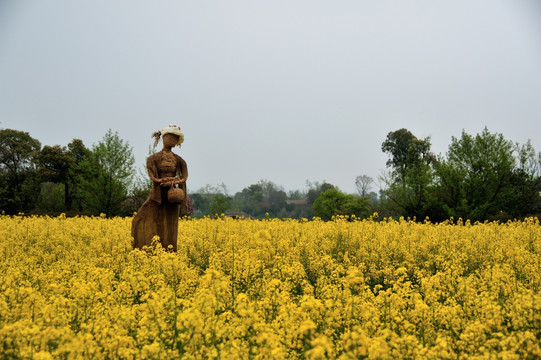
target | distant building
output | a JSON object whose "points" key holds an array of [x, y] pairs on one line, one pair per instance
{"points": [[300, 202]]}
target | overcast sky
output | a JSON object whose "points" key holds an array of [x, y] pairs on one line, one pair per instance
{"points": [[281, 90]]}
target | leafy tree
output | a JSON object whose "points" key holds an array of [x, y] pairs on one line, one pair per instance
{"points": [[316, 189], [251, 200], [474, 180], [277, 199], [58, 165], [296, 195], [51, 199], [19, 182], [211, 200], [54, 163], [274, 198], [333, 202], [525, 197], [107, 175], [261, 198], [406, 152], [411, 172], [219, 204], [78, 153]]}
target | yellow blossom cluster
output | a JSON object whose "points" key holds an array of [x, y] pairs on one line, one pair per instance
{"points": [[72, 288]]}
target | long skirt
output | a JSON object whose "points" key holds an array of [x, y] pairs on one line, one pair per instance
{"points": [[153, 219]]}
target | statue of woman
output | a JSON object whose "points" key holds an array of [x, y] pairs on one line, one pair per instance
{"points": [[159, 214]]}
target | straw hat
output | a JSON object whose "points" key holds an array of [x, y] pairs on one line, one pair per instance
{"points": [[171, 129]]}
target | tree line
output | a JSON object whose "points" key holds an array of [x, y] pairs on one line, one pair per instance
{"points": [[266, 199], [72, 179], [481, 177]]}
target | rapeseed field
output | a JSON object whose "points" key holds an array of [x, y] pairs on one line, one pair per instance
{"points": [[73, 288]]}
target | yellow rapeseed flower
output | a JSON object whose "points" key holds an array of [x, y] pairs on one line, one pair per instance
{"points": [[265, 289]]}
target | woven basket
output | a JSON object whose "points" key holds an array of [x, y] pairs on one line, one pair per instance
{"points": [[175, 195]]}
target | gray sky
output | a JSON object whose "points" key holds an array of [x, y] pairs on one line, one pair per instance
{"points": [[282, 90]]}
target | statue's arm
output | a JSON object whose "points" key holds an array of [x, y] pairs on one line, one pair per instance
{"points": [[152, 171], [183, 170]]}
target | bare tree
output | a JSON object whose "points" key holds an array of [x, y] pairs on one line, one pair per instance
{"points": [[363, 183]]}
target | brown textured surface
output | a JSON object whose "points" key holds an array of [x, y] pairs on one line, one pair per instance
{"points": [[157, 216]]}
